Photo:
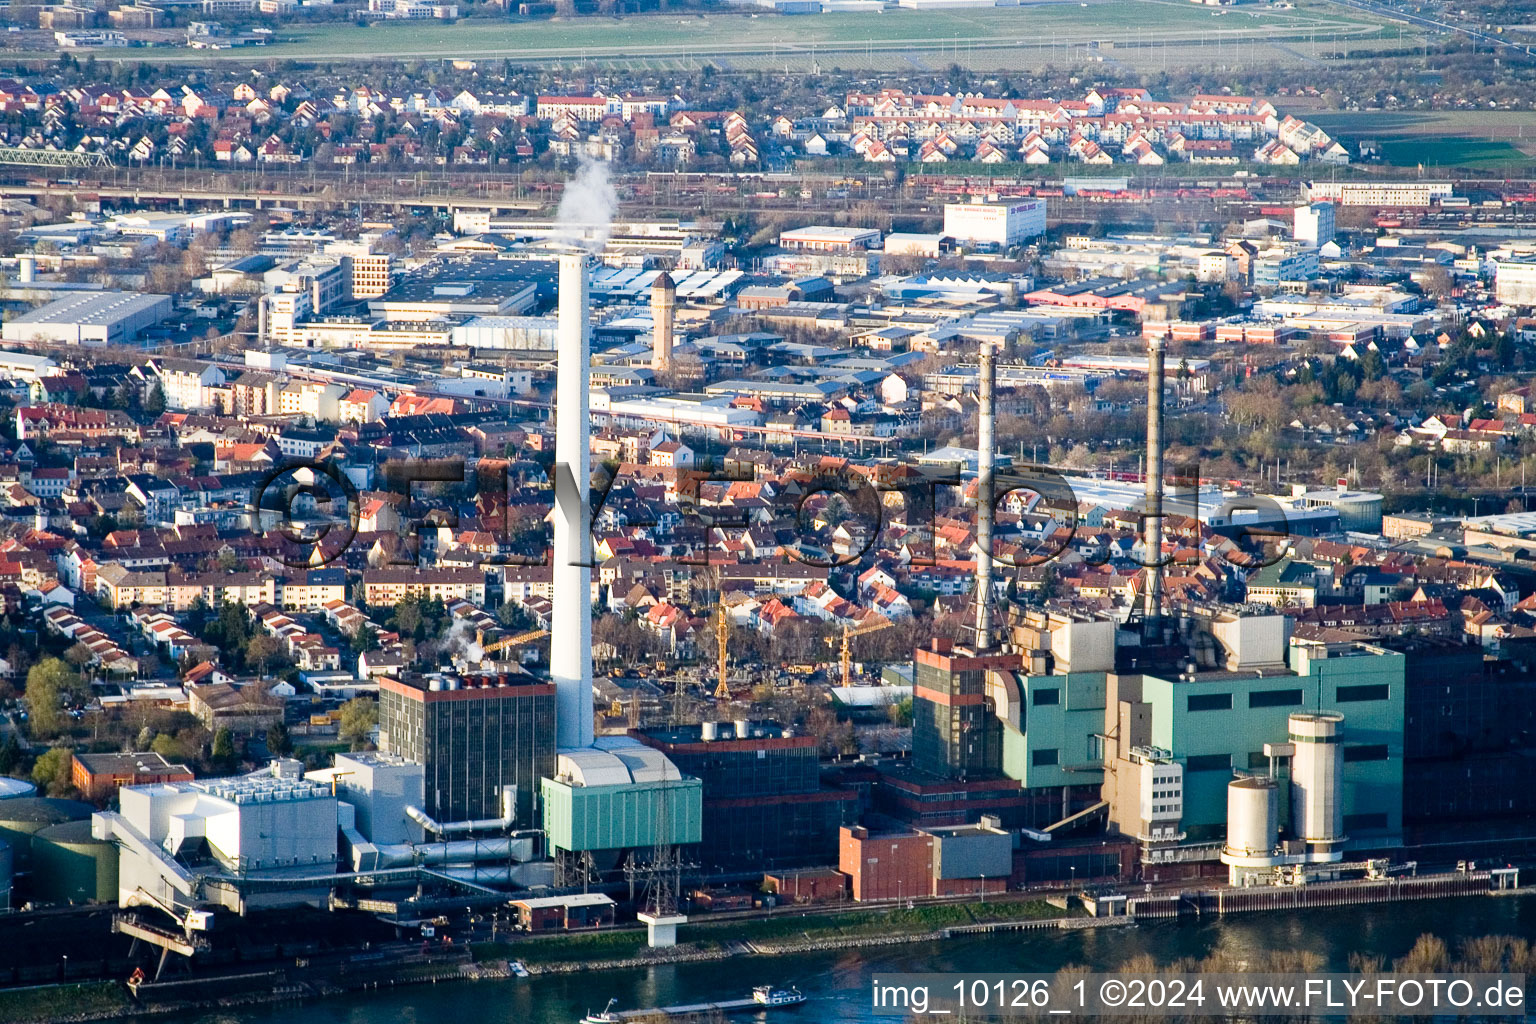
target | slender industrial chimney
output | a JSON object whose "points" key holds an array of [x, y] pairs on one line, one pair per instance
{"points": [[1153, 535], [984, 510], [663, 314], [570, 661]]}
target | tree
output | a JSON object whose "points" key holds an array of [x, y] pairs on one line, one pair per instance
{"points": [[279, 743], [224, 749], [365, 638], [79, 655], [48, 683], [358, 717], [261, 649], [10, 755], [171, 748], [155, 403], [51, 772]]}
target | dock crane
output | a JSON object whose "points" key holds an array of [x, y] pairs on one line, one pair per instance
{"points": [[187, 938], [846, 652], [514, 641]]}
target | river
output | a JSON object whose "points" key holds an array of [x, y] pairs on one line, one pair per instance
{"points": [[837, 984]]}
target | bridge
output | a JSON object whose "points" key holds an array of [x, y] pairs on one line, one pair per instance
{"points": [[51, 158]]}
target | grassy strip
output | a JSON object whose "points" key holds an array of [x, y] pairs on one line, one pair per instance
{"points": [[788, 926], [785, 926], [92, 999], [612, 945]]}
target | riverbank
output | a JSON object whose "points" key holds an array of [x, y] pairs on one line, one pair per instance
{"points": [[787, 933], [56, 1004]]}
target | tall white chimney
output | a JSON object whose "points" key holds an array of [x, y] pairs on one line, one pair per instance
{"points": [[984, 499], [570, 661]]}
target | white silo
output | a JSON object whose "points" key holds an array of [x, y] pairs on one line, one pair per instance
{"points": [[1317, 771], [1253, 817]]}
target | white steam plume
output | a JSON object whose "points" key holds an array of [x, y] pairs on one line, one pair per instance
{"points": [[461, 640], [588, 206]]}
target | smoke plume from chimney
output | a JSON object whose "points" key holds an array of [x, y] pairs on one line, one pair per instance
{"points": [[588, 206]]}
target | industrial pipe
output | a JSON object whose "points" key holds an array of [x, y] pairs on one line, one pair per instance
{"points": [[437, 828]]}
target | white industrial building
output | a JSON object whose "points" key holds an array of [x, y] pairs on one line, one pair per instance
{"points": [[685, 414], [1359, 511], [535, 333], [1378, 193], [1003, 224], [187, 844], [1514, 282], [1314, 224], [907, 244], [821, 238], [26, 366], [90, 318]]}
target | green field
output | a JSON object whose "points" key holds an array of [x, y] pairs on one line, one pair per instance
{"points": [[1474, 140], [942, 36]]}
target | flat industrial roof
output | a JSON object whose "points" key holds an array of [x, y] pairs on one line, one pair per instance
{"points": [[92, 308]]}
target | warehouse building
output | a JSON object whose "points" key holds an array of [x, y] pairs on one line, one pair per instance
{"points": [[1000, 224], [90, 318], [894, 863], [99, 776], [829, 239]]}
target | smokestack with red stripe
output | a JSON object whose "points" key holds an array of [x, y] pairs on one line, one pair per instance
{"points": [[984, 497]]}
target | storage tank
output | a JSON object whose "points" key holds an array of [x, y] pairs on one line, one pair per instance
{"points": [[11, 788], [7, 875], [1317, 771], [23, 817], [1253, 817], [69, 865]]}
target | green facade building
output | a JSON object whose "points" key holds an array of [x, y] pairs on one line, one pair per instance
{"points": [[619, 795], [1215, 722]]}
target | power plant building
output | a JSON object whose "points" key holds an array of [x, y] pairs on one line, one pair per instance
{"points": [[474, 737], [763, 802], [1326, 729], [1020, 728], [187, 843], [619, 795]]}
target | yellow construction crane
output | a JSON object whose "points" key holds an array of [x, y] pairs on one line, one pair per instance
{"points": [[722, 632], [514, 641], [846, 654], [336, 775]]}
